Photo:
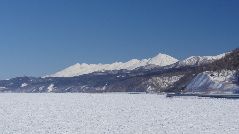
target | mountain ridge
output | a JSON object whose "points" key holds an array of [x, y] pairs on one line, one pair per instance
{"points": [[160, 60], [80, 69]]}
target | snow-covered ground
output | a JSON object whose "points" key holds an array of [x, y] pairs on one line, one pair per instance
{"points": [[115, 113]]}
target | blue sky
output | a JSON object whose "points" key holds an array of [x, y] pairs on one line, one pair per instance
{"points": [[39, 37]]}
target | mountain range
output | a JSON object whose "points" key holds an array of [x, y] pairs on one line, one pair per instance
{"points": [[80, 69], [162, 73], [159, 60]]}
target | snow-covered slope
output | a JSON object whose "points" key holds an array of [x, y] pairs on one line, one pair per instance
{"points": [[216, 82], [161, 83], [198, 60], [80, 69]]}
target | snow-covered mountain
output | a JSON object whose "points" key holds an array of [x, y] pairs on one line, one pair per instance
{"points": [[80, 69], [198, 60], [219, 77]]}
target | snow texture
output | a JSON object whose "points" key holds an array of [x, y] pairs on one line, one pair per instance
{"points": [[115, 114], [220, 82], [80, 69]]}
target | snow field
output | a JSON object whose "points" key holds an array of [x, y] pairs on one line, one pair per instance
{"points": [[118, 113]]}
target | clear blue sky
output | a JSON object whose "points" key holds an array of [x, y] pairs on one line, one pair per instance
{"points": [[39, 37]]}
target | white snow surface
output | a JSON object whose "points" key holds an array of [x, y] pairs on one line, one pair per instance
{"points": [[50, 88], [115, 114], [80, 69], [220, 82], [24, 85]]}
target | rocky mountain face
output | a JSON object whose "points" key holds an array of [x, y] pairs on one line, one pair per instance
{"points": [[217, 74]]}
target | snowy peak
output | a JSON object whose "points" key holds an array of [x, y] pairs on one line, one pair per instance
{"points": [[162, 60], [80, 69], [199, 60]]}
